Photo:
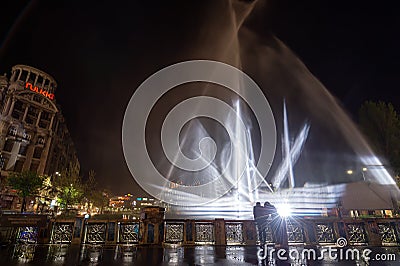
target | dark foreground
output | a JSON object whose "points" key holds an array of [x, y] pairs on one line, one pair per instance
{"points": [[196, 255]]}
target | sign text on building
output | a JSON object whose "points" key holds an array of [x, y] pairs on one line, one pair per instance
{"points": [[41, 91]]}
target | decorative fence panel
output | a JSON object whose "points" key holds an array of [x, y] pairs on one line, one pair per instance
{"points": [[369, 231], [387, 233], [95, 233], [204, 232], [356, 233], [128, 233], [325, 233], [295, 232], [28, 235], [174, 232], [234, 233], [62, 233]]}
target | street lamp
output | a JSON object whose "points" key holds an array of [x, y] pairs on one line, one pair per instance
{"points": [[349, 172], [363, 170]]}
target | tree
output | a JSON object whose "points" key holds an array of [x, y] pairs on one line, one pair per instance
{"points": [[381, 124], [70, 188], [94, 194], [26, 183], [100, 199]]}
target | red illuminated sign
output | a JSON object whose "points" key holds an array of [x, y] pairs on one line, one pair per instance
{"points": [[39, 91]]}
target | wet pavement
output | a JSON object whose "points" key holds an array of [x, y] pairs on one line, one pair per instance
{"points": [[195, 255]]}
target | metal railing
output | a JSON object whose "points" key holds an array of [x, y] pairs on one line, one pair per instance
{"points": [[310, 231]]}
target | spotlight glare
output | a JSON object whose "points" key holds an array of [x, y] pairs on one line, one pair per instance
{"points": [[284, 210]]}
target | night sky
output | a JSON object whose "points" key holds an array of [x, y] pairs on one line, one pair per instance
{"points": [[100, 52]]}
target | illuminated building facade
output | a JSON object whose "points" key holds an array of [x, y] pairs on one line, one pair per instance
{"points": [[33, 132]]}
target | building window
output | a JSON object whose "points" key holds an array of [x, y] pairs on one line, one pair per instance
{"points": [[23, 149], [38, 152], [32, 115], [19, 106], [18, 110], [45, 116], [24, 75], [29, 120], [18, 165], [32, 78], [37, 98], [8, 145], [44, 120], [46, 84], [39, 81]]}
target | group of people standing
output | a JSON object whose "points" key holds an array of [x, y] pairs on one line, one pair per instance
{"points": [[265, 216]]}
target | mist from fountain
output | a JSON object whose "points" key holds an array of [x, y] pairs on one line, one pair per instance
{"points": [[319, 141]]}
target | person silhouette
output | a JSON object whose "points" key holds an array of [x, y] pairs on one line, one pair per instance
{"points": [[257, 213], [270, 209], [269, 213]]}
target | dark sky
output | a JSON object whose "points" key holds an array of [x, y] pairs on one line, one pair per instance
{"points": [[99, 52]]}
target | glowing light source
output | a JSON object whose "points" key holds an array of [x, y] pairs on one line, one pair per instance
{"points": [[38, 90], [284, 210], [349, 172]]}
